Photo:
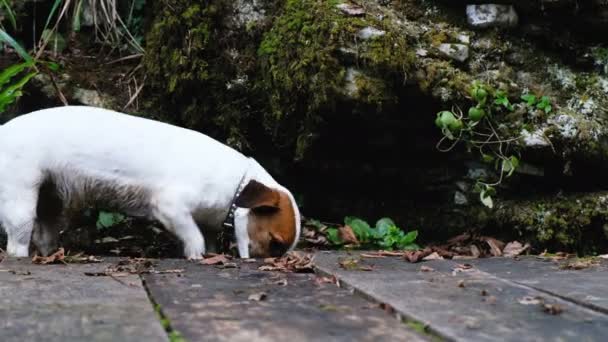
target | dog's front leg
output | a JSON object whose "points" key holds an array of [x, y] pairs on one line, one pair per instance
{"points": [[180, 222]]}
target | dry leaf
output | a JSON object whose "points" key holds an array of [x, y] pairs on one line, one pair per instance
{"points": [[370, 255], [325, 280], [292, 262], [527, 300], [80, 258], [514, 248], [433, 256], [462, 267], [461, 283], [54, 258], [579, 264], [215, 260], [424, 268], [347, 235], [352, 264], [415, 256], [496, 246], [20, 272], [257, 297], [282, 282], [475, 252], [552, 309]]}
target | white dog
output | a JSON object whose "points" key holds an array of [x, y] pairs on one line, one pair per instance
{"points": [[60, 160]]}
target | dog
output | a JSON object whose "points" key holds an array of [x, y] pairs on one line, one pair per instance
{"points": [[61, 160]]}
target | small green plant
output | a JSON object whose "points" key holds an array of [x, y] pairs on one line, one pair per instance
{"points": [[109, 219], [479, 129], [385, 235], [9, 92], [544, 103]]}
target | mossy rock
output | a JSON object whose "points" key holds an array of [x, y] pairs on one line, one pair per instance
{"points": [[572, 222]]}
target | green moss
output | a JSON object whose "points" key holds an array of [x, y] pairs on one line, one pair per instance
{"points": [[562, 222], [188, 69], [302, 72]]}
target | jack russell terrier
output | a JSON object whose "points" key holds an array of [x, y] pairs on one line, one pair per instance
{"points": [[62, 160]]}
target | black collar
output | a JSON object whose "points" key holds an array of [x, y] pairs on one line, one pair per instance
{"points": [[226, 235]]}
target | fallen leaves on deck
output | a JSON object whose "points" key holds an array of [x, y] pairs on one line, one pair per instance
{"points": [[579, 264], [55, 258], [129, 266], [353, 264], [216, 259], [293, 261]]}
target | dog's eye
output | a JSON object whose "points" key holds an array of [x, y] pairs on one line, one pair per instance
{"points": [[277, 248]]}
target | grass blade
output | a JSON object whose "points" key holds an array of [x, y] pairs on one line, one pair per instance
{"points": [[6, 38], [10, 14]]}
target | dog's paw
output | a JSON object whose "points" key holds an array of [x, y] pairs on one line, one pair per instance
{"points": [[194, 252], [194, 257]]}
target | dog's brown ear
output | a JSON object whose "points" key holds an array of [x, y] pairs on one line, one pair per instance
{"points": [[258, 195]]}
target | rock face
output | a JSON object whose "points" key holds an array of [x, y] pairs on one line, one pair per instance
{"points": [[305, 71]]}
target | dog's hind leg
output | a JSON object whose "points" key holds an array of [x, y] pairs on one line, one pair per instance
{"points": [[50, 219], [18, 215]]}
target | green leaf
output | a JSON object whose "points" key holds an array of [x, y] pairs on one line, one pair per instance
{"points": [[6, 38], [12, 71], [107, 220], [510, 165], [53, 66], [409, 238], [529, 98], [51, 13], [485, 198], [383, 225], [333, 236], [487, 158], [76, 17], [411, 247], [361, 229]]}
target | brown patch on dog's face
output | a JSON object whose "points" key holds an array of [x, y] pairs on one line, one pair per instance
{"points": [[272, 221]]}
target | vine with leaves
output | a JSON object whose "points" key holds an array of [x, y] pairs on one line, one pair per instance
{"points": [[480, 130]]}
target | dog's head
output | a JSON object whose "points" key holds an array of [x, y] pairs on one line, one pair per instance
{"points": [[267, 222]]}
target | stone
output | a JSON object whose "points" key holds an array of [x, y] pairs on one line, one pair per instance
{"points": [[351, 9], [88, 97], [491, 15], [458, 52], [370, 32], [212, 304]]}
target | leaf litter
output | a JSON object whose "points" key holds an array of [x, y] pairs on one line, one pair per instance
{"points": [[293, 261], [130, 266], [218, 260]]}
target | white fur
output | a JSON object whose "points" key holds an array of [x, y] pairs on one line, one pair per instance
{"points": [[190, 178]]}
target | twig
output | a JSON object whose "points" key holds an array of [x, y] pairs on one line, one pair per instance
{"points": [[137, 91]]}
